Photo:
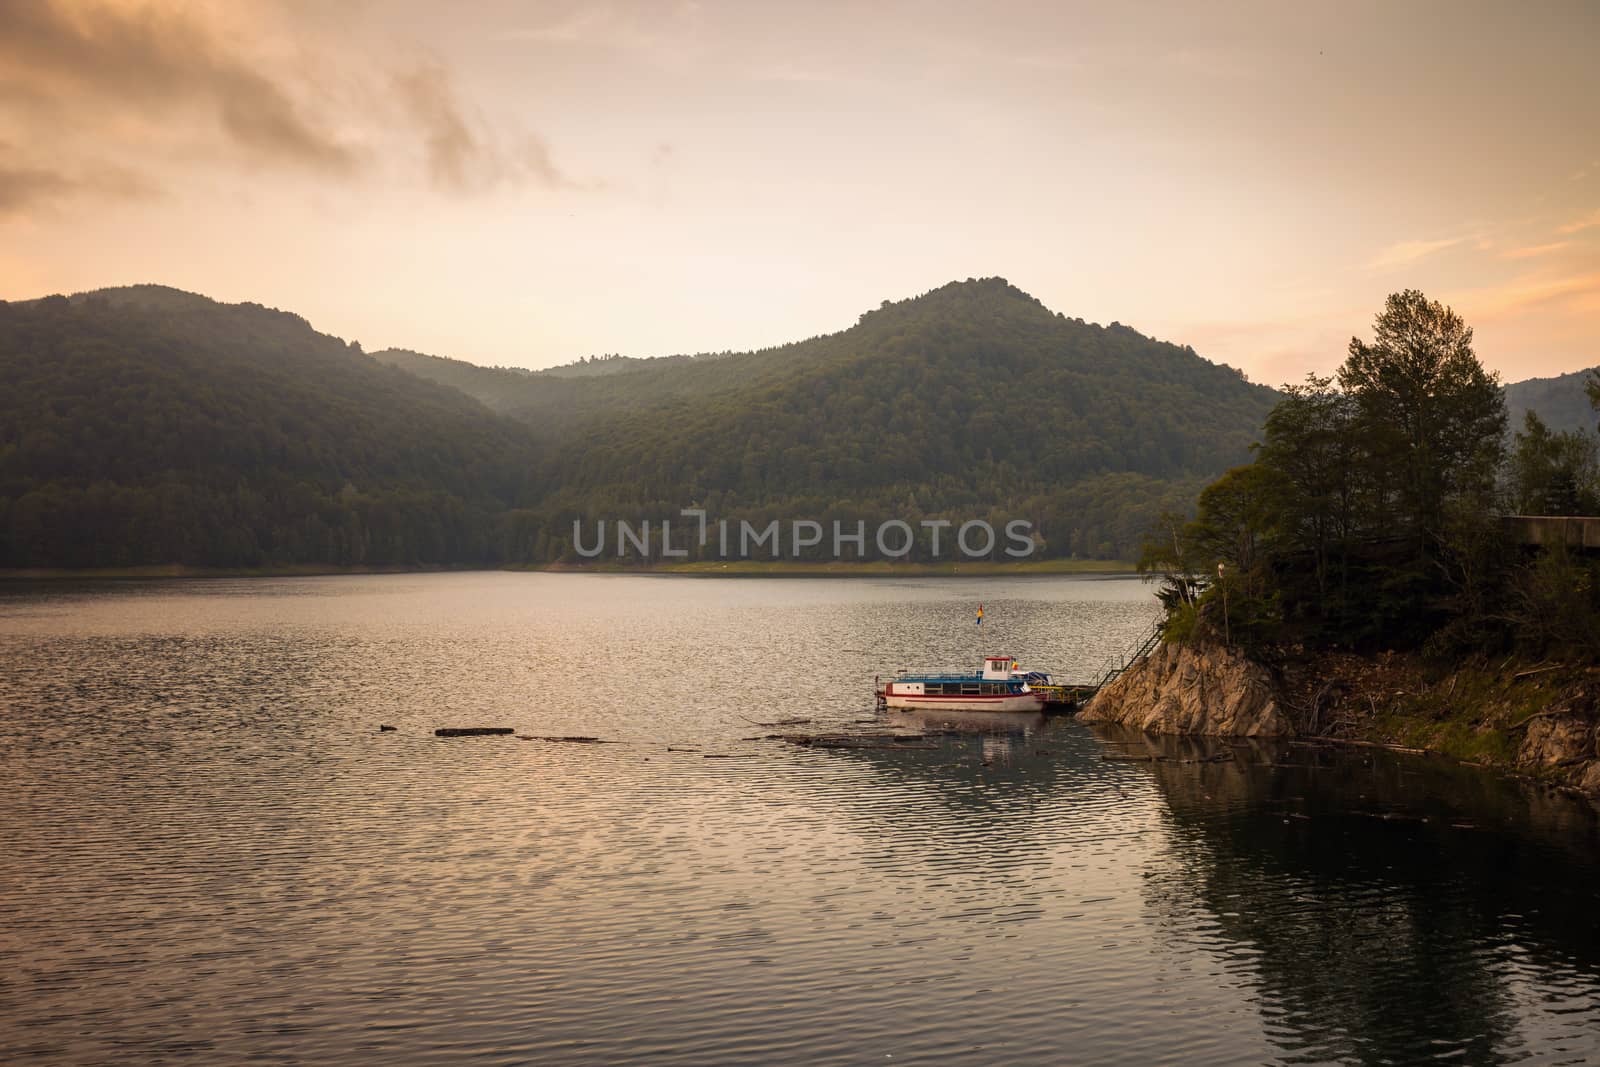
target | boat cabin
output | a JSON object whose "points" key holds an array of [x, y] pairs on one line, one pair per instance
{"points": [[998, 668]]}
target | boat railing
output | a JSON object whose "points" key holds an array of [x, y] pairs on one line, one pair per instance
{"points": [[941, 676]]}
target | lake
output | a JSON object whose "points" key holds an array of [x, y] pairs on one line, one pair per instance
{"points": [[212, 854]]}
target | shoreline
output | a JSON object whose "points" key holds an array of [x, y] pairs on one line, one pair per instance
{"points": [[703, 569], [1534, 721]]}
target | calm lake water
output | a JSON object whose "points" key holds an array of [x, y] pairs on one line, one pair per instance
{"points": [[211, 854]]}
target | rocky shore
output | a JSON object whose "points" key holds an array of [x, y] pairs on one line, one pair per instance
{"points": [[1533, 719], [1194, 689]]}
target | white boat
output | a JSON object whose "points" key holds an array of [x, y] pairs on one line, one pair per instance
{"points": [[998, 687]]}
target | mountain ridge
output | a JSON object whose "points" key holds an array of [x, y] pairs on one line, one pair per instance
{"points": [[151, 425]]}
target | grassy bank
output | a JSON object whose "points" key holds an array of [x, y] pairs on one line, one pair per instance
{"points": [[731, 569], [1531, 718], [863, 569]]}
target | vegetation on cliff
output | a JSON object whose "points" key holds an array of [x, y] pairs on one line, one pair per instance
{"points": [[1370, 516], [1361, 557]]}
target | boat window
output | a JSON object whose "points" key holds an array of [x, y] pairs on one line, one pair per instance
{"points": [[969, 690]]}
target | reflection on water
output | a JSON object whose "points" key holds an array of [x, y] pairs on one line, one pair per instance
{"points": [[1360, 882], [213, 854]]}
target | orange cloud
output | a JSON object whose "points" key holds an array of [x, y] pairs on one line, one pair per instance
{"points": [[1577, 290], [1404, 253], [1581, 224], [1536, 250]]}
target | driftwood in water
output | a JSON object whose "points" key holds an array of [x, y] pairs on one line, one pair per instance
{"points": [[473, 731], [568, 740], [875, 741], [385, 729], [1119, 757], [1402, 749]]}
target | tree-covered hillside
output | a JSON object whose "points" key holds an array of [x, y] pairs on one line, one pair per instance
{"points": [[147, 425], [972, 401], [1560, 402]]}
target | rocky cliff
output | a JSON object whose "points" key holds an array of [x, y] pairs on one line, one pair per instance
{"points": [[1184, 689], [1541, 720]]}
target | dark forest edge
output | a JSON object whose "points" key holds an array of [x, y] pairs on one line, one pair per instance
{"points": [[1361, 558]]}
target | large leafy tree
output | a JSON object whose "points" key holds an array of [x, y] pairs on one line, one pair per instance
{"points": [[1369, 514], [1432, 420]]}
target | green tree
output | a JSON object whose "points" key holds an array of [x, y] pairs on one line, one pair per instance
{"points": [[1431, 419], [1310, 439], [1552, 473]]}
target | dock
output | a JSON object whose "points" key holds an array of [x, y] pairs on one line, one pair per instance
{"points": [[1065, 697]]}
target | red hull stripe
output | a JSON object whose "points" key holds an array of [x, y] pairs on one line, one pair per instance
{"points": [[1005, 696]]}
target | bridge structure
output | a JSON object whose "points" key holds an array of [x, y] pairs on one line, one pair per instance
{"points": [[1581, 532]]}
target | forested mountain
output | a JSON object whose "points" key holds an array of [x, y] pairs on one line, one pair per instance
{"points": [[555, 401], [1560, 402], [971, 401], [596, 366], [147, 425]]}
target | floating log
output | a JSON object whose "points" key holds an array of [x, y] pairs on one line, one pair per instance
{"points": [[567, 740], [1402, 749], [873, 741], [385, 729], [1119, 757], [473, 731]]}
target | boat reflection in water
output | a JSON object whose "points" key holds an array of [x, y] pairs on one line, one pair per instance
{"points": [[967, 722]]}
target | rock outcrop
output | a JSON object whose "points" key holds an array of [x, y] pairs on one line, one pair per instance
{"points": [[1183, 689]]}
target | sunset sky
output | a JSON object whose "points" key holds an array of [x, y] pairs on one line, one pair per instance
{"points": [[528, 183]]}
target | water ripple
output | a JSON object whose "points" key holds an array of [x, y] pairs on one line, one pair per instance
{"points": [[214, 855]]}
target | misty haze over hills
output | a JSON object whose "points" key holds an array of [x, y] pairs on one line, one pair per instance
{"points": [[148, 425]]}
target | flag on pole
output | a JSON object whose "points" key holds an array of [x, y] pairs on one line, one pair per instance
{"points": [[980, 614]]}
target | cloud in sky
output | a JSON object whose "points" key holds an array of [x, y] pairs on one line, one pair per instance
{"points": [[1588, 221], [1532, 251], [148, 90], [24, 189], [98, 61], [1406, 253], [462, 157]]}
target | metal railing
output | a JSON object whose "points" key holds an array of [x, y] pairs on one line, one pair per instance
{"points": [[1114, 667]]}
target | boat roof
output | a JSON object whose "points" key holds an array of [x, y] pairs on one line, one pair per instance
{"points": [[970, 676]]}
